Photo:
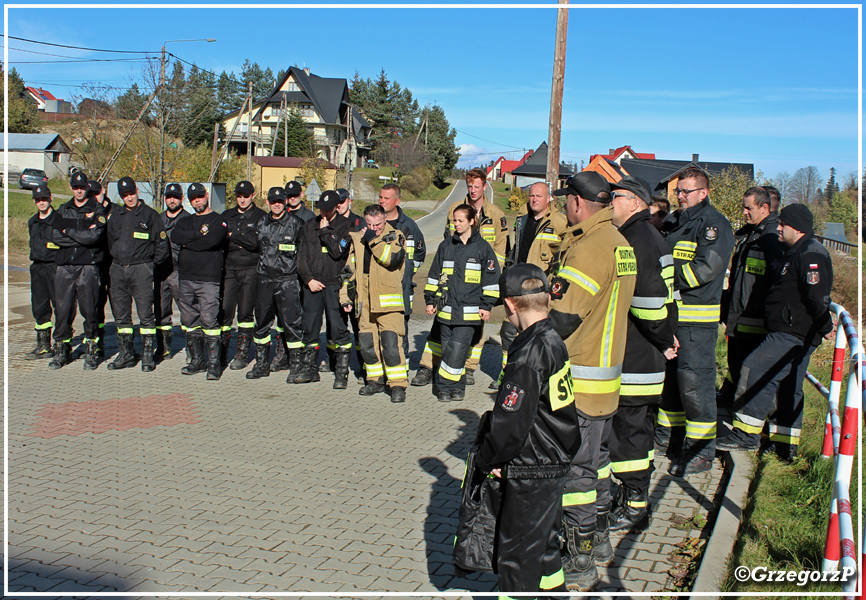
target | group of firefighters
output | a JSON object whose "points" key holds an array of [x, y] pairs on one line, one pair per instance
{"points": [[634, 301]]}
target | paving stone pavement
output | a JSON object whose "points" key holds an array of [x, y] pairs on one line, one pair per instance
{"points": [[135, 482]]}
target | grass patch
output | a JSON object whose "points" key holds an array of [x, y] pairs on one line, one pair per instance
{"points": [[784, 520], [501, 193]]}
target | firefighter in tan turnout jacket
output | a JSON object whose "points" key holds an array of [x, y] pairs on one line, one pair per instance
{"points": [[493, 229], [373, 288], [590, 298]]}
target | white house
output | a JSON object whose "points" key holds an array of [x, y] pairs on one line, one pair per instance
{"points": [[45, 151]]}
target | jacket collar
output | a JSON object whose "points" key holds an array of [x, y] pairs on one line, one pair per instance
{"points": [[475, 236], [642, 215], [599, 219], [695, 211]]}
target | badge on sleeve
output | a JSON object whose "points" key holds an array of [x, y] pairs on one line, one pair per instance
{"points": [[504, 223], [813, 276], [711, 234], [343, 243], [101, 219], [511, 397], [558, 287], [162, 235], [491, 265]]}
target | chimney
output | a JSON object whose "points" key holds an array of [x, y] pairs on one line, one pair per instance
{"points": [[610, 151], [694, 158], [307, 71]]}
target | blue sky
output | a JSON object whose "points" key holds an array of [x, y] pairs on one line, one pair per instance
{"points": [[776, 87]]}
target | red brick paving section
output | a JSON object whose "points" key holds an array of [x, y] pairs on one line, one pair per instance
{"points": [[99, 416]]}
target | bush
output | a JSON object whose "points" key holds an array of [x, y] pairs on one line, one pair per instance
{"points": [[844, 290], [417, 181], [517, 199]]}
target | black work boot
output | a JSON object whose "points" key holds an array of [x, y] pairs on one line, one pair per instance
{"points": [[195, 348], [602, 551], [148, 348], [280, 361], [164, 347], [470, 377], [633, 515], [43, 345], [62, 351], [262, 368], [580, 572], [125, 356], [296, 359], [225, 340], [310, 367], [372, 388], [423, 376], [398, 395], [341, 371], [91, 352], [214, 346], [242, 351]]}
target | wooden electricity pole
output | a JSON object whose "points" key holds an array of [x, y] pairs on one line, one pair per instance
{"points": [[250, 134], [554, 131]]}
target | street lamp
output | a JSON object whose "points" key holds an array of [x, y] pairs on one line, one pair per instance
{"points": [[158, 191]]}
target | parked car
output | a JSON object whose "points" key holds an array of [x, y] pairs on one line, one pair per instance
{"points": [[31, 178]]}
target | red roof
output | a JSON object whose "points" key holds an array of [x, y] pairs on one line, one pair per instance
{"points": [[509, 165], [40, 93], [619, 151]]}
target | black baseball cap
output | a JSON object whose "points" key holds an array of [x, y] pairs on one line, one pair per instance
{"points": [[195, 190], [511, 281], [589, 185], [173, 190], [244, 188], [344, 194], [293, 188], [277, 194], [93, 187], [41, 192], [636, 186], [328, 201], [126, 185], [78, 179]]}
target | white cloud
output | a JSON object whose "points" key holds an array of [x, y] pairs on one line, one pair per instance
{"points": [[472, 155]]}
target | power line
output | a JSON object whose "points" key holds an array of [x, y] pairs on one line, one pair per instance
{"points": [[83, 60], [12, 37], [490, 141]]}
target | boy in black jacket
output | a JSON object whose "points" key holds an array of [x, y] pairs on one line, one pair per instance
{"points": [[42, 249], [533, 436]]}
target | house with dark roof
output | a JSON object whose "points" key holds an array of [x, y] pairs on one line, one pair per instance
{"points": [[340, 132], [617, 154], [662, 174], [44, 151], [535, 169], [501, 170]]}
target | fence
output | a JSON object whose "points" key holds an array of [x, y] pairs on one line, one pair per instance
{"points": [[840, 443]]}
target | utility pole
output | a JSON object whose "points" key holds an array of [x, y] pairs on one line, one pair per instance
{"points": [[554, 131], [250, 134], [216, 141], [157, 193]]}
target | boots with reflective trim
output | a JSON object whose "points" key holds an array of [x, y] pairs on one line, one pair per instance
{"points": [[280, 361], [296, 359], [125, 355], [633, 515], [164, 348], [62, 350], [91, 352], [602, 551], [242, 351], [580, 572], [310, 367], [423, 376], [262, 368], [43, 345], [214, 347], [100, 341], [225, 340], [148, 348], [195, 348], [341, 370]]}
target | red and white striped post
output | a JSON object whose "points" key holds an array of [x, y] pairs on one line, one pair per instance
{"points": [[832, 426]]}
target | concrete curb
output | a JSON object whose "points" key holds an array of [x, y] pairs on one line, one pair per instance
{"points": [[711, 573]]}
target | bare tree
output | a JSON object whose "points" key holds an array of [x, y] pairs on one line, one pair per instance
{"points": [[91, 133], [804, 185], [782, 182]]}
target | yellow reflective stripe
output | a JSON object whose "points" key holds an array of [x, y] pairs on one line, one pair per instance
{"points": [[609, 323], [631, 389], [750, 329], [246, 325], [604, 472], [386, 253], [211, 332], [636, 503], [500, 258], [650, 314], [699, 313], [550, 237], [471, 316], [431, 287], [374, 370], [630, 466], [748, 424], [286, 247], [398, 372], [264, 340], [125, 330], [580, 279], [757, 266], [578, 498], [793, 440], [451, 373], [549, 582], [43, 325], [668, 272], [684, 250], [671, 418], [697, 430], [324, 250], [475, 353], [391, 300], [148, 331], [433, 348], [444, 315], [594, 386], [689, 276], [294, 345], [140, 236]]}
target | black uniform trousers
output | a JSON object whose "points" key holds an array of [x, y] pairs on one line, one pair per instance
{"points": [[104, 287], [771, 385], [528, 557], [740, 345], [42, 293], [165, 289], [456, 341], [280, 299], [689, 394], [199, 304], [326, 302], [587, 485], [132, 282], [76, 283], [239, 293], [631, 446]]}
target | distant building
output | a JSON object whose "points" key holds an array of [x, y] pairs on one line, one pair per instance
{"points": [[617, 154], [502, 169], [661, 174], [47, 104], [272, 171], [45, 151], [535, 169]]}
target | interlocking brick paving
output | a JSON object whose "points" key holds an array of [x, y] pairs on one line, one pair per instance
{"points": [[99, 416]]}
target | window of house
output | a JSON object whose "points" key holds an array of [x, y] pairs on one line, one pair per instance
{"points": [[293, 87]]}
